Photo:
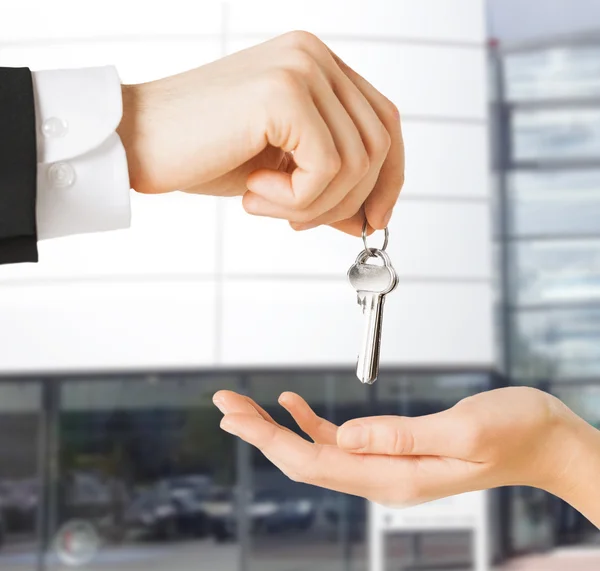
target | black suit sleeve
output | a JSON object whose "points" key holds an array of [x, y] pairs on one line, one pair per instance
{"points": [[18, 167]]}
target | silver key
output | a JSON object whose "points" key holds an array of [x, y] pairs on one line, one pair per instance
{"points": [[372, 283]]}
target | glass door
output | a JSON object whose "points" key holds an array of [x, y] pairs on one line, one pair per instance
{"points": [[293, 526], [571, 527], [21, 429], [142, 472]]}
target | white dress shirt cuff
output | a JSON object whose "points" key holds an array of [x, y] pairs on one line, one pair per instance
{"points": [[83, 182]]}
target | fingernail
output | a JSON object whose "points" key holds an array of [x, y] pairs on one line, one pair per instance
{"points": [[228, 426], [387, 217], [352, 437]]}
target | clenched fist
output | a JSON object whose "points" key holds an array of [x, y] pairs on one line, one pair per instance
{"points": [[286, 123]]}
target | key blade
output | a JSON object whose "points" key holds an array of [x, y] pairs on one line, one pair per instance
{"points": [[367, 368]]}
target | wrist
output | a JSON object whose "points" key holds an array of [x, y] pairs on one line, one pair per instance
{"points": [[130, 131], [576, 461]]}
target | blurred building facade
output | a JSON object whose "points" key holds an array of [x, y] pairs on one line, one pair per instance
{"points": [[111, 347], [547, 139]]}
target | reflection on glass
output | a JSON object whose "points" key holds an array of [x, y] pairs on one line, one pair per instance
{"points": [[420, 394], [447, 550], [417, 395], [296, 527], [556, 343], [583, 400], [571, 526], [554, 203], [532, 523], [557, 134], [555, 73], [556, 272], [20, 492], [142, 461]]}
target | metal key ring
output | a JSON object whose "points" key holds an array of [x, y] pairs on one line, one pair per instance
{"points": [[373, 253], [364, 237]]}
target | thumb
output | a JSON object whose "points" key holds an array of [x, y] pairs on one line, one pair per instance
{"points": [[442, 434]]}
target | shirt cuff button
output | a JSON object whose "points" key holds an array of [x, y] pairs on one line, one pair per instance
{"points": [[61, 175], [54, 127]]}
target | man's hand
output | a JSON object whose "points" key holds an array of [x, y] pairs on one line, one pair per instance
{"points": [[286, 124], [512, 436]]}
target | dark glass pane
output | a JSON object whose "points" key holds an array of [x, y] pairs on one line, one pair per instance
{"points": [[556, 73], [554, 203], [431, 550], [556, 272], [557, 134], [21, 494], [144, 463], [533, 522], [571, 526], [419, 394], [416, 395], [296, 527], [555, 344]]}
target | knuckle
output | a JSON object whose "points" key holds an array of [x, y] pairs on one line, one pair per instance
{"points": [[361, 165], [302, 203], [331, 164], [303, 63], [391, 111], [382, 141], [302, 39]]}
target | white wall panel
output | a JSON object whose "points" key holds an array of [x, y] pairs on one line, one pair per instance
{"points": [[67, 19], [168, 236], [106, 326], [149, 297], [136, 60], [446, 160], [436, 20], [423, 80], [427, 240], [305, 323]]}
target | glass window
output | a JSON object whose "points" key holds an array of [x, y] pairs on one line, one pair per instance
{"points": [[556, 134], [583, 400], [416, 395], [556, 272], [143, 463], [570, 527], [21, 495], [554, 203], [554, 73], [419, 394], [296, 527], [556, 343], [431, 550]]}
